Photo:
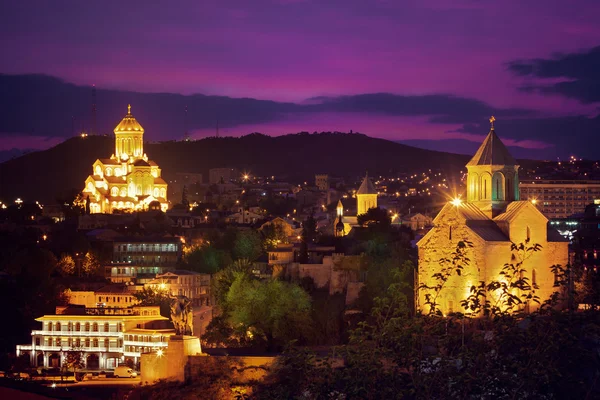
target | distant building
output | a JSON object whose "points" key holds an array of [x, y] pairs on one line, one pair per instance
{"points": [[127, 180], [560, 198], [108, 337], [110, 296], [225, 175], [147, 251], [492, 218], [193, 285], [587, 243], [417, 221], [322, 182], [132, 273], [366, 198]]}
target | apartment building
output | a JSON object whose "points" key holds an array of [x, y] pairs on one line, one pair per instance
{"points": [[560, 198]]}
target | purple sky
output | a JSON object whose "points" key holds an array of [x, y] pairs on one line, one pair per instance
{"points": [[293, 50]]}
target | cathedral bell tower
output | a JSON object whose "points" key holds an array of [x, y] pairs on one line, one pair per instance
{"points": [[493, 176], [366, 196], [129, 138]]}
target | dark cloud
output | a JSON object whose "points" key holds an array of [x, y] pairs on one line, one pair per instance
{"points": [[44, 106], [41, 110], [579, 74], [442, 108]]}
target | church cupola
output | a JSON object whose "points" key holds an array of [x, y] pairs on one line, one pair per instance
{"points": [[129, 138], [493, 177], [366, 196]]}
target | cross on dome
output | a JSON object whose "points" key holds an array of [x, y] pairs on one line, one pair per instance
{"points": [[492, 119]]}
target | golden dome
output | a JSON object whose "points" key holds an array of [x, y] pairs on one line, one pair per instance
{"points": [[129, 124]]}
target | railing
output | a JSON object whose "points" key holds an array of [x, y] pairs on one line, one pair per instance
{"points": [[147, 344], [77, 333], [66, 347]]}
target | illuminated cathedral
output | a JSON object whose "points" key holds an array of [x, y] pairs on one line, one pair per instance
{"points": [[128, 180], [492, 218], [366, 198]]}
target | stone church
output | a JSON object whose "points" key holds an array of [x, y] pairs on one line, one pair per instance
{"points": [[491, 218]]}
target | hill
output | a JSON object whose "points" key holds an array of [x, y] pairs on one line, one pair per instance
{"points": [[47, 175]]}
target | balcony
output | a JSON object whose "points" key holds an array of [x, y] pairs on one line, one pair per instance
{"points": [[77, 333], [146, 344], [65, 347]]}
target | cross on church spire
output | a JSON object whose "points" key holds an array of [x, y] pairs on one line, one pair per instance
{"points": [[129, 109], [492, 119]]}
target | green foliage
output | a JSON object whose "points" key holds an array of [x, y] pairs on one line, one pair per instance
{"points": [[223, 280], [248, 245], [375, 217], [274, 310], [272, 235], [207, 259]]}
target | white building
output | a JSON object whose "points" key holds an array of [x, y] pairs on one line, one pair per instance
{"points": [[107, 337]]}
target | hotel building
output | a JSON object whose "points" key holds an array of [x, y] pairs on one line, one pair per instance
{"points": [[107, 337]]}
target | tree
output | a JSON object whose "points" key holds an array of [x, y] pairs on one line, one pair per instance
{"points": [[273, 234], [73, 359], [66, 264], [90, 264], [309, 233], [273, 310], [222, 281], [247, 245], [155, 297], [184, 197], [375, 217], [207, 259]]}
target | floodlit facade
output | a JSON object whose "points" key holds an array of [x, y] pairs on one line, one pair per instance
{"points": [[107, 337], [366, 198], [491, 218], [127, 180]]}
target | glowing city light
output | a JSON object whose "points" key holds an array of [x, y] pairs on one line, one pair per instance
{"points": [[159, 353], [456, 202], [534, 201]]}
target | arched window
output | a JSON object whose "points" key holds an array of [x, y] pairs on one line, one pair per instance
{"points": [[163, 193], [123, 192], [95, 327], [534, 278], [58, 326], [106, 327], [528, 234], [106, 343], [87, 326], [87, 342], [156, 192], [95, 342], [114, 191], [138, 190], [98, 170], [90, 187], [108, 171], [77, 326]]}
